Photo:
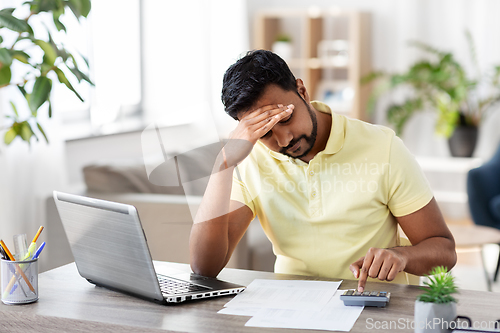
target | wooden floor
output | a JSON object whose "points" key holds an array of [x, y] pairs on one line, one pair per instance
{"points": [[469, 272]]}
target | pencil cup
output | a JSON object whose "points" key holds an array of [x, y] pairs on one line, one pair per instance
{"points": [[19, 281]]}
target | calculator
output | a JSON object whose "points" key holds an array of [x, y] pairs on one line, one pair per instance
{"points": [[366, 298]]}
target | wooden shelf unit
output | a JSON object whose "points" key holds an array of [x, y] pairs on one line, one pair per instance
{"points": [[307, 29]]}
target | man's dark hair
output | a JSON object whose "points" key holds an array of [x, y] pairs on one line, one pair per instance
{"points": [[245, 81]]}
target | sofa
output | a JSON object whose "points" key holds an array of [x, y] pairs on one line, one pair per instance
{"points": [[166, 213]]}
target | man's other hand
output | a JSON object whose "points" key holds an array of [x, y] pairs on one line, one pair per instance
{"points": [[382, 264]]}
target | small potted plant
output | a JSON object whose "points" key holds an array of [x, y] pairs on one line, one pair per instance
{"points": [[282, 46], [436, 309]]}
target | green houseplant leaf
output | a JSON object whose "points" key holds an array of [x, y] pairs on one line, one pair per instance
{"points": [[63, 79], [40, 94], [11, 22], [5, 57], [438, 83], [50, 54], [20, 56], [9, 136], [5, 75], [34, 85]]}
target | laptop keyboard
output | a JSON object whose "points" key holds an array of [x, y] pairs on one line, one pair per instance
{"points": [[174, 287]]}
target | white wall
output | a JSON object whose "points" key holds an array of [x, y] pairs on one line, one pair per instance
{"points": [[438, 22]]}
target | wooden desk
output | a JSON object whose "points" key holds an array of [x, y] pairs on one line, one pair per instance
{"points": [[69, 303]]}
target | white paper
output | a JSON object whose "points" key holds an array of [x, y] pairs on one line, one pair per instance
{"points": [[285, 294], [334, 316]]}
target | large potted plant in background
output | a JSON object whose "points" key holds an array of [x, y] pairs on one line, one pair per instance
{"points": [[440, 83], [21, 65], [436, 309]]}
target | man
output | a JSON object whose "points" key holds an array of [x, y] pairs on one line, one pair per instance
{"points": [[329, 191]]}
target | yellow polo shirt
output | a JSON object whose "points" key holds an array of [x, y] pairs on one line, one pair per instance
{"points": [[323, 215]]}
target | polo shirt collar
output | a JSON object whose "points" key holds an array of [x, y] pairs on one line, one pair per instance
{"points": [[337, 132], [335, 140]]}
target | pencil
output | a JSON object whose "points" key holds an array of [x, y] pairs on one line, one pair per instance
{"points": [[37, 234], [18, 269]]}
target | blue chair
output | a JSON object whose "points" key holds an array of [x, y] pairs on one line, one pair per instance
{"points": [[483, 189]]}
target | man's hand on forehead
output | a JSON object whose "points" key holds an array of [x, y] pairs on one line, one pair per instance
{"points": [[252, 126], [269, 110], [256, 123]]}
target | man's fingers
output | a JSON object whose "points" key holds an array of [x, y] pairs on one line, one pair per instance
{"points": [[262, 110], [273, 116], [362, 280], [356, 266], [392, 273], [375, 267], [266, 112], [384, 270], [268, 123], [363, 274]]}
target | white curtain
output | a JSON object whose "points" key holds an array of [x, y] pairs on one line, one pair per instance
{"points": [[28, 175], [188, 46]]}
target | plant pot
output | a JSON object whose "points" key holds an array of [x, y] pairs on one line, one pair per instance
{"points": [[433, 317], [463, 141], [283, 49]]}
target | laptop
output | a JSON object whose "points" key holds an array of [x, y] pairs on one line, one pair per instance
{"points": [[111, 251]]}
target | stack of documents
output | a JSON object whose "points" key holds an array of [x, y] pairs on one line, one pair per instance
{"points": [[294, 304]]}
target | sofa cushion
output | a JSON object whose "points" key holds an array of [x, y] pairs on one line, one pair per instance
{"points": [[192, 169], [113, 177]]}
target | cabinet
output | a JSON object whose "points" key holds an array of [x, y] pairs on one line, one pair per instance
{"points": [[330, 52]]}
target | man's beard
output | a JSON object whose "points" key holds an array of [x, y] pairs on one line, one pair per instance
{"points": [[310, 140]]}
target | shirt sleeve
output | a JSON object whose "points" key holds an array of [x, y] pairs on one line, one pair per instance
{"points": [[239, 192], [409, 190]]}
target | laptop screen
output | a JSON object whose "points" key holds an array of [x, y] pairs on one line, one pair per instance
{"points": [[108, 244]]}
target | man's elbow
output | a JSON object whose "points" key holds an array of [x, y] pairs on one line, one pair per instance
{"points": [[451, 258], [204, 272], [203, 269]]}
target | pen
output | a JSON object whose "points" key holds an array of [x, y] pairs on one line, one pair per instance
{"points": [[4, 255], [18, 269], [38, 251]]}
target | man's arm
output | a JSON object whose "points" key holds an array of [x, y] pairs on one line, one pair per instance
{"points": [[220, 223], [432, 245]]}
